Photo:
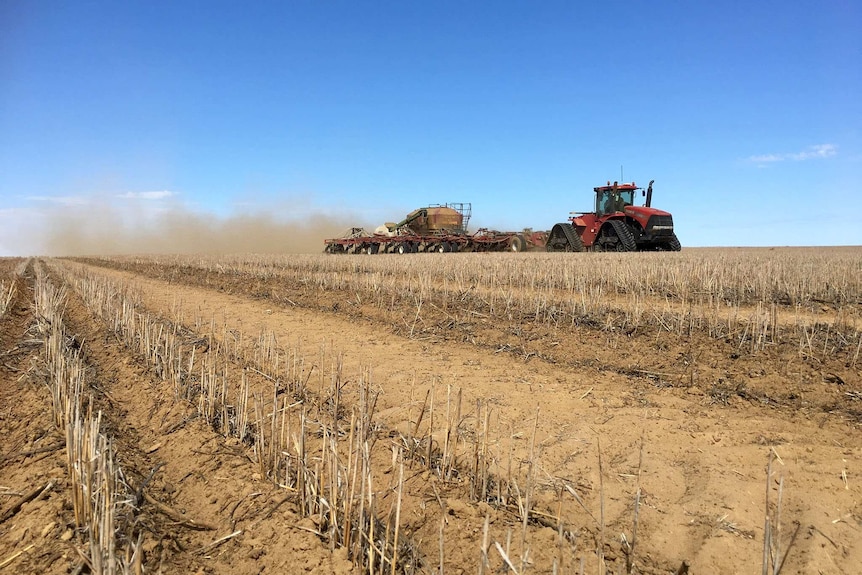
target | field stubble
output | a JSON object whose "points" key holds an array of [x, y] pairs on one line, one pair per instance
{"points": [[531, 412]]}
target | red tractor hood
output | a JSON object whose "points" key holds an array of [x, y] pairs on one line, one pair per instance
{"points": [[643, 213]]}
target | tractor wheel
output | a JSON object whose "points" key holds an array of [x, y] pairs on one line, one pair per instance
{"points": [[372, 249], [403, 248], [564, 238], [674, 245], [625, 239], [441, 248], [521, 243]]}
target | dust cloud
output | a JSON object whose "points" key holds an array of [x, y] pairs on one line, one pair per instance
{"points": [[109, 231]]}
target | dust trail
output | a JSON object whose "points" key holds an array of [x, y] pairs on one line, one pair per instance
{"points": [[109, 231]]}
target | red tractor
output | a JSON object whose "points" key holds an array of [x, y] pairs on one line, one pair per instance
{"points": [[616, 225]]}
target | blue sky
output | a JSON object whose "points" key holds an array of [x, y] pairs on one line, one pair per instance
{"points": [[116, 116]]}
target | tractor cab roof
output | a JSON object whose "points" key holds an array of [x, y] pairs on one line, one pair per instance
{"points": [[631, 186]]}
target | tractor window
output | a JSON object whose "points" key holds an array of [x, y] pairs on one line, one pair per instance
{"points": [[608, 202]]}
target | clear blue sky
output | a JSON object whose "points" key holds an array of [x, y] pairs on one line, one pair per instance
{"points": [[748, 115]]}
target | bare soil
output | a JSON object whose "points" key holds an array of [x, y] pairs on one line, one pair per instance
{"points": [[686, 421]]}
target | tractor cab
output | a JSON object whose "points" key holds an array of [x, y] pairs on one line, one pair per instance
{"points": [[614, 198]]}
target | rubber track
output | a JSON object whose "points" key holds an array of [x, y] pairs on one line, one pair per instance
{"points": [[572, 236], [624, 234]]}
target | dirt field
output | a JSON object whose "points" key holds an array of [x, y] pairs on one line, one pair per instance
{"points": [[316, 419]]}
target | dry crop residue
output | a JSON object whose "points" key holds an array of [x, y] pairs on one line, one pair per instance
{"points": [[642, 448], [190, 491]]}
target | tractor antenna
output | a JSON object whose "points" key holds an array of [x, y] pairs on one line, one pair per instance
{"points": [[622, 179]]}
